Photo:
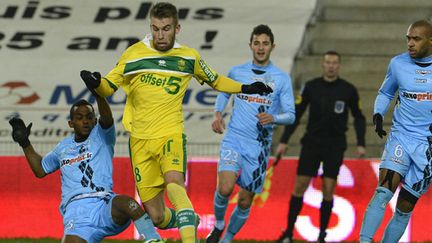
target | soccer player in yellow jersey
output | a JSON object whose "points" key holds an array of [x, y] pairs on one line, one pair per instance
{"points": [[155, 73]]}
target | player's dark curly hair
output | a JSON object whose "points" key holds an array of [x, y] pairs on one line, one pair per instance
{"points": [[262, 29], [77, 104], [164, 10]]}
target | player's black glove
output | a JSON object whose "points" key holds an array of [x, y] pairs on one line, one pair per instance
{"points": [[256, 88], [91, 80], [378, 122], [20, 132]]}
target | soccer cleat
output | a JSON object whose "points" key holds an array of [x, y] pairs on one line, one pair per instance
{"points": [[285, 238], [214, 235]]}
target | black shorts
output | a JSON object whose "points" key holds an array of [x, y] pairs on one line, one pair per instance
{"points": [[312, 156]]}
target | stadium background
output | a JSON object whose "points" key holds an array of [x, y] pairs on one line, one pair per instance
{"points": [[44, 45]]}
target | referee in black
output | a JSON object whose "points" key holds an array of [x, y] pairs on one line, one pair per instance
{"points": [[329, 98]]}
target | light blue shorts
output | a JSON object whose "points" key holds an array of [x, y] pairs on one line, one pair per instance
{"points": [[248, 160], [90, 219], [411, 158]]}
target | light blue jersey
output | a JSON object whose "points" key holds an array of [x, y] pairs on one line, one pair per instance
{"points": [[413, 112], [246, 145], [86, 167]]}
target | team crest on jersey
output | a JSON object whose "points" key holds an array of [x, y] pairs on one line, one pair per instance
{"points": [[181, 64], [339, 106]]}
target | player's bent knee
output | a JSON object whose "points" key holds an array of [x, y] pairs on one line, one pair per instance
{"points": [[225, 190], [384, 195], [244, 203]]}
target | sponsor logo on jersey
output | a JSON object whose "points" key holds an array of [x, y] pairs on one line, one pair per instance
{"points": [[255, 99], [211, 75], [421, 80], [423, 72], [153, 79], [79, 158], [417, 96]]}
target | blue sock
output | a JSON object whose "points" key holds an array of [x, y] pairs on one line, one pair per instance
{"points": [[220, 206], [146, 228], [396, 226], [237, 220], [374, 213]]}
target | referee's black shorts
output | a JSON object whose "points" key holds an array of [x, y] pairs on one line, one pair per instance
{"points": [[311, 156]]}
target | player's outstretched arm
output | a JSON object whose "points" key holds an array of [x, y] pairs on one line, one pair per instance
{"points": [[106, 118], [227, 85], [20, 134]]}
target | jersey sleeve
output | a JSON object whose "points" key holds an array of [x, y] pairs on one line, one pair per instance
{"points": [[386, 92], [108, 135], [203, 73], [287, 115], [301, 104], [51, 162], [115, 78]]}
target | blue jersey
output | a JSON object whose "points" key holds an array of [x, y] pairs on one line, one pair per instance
{"points": [[244, 123], [412, 78], [86, 167]]}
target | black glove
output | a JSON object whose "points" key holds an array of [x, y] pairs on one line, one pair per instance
{"points": [[378, 122], [20, 132], [256, 88], [91, 80]]}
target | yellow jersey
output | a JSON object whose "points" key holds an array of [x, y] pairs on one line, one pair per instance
{"points": [[155, 83]]}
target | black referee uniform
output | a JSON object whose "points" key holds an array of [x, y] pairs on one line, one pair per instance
{"points": [[325, 138]]}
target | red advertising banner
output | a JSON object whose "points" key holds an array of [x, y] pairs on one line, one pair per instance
{"points": [[29, 205]]}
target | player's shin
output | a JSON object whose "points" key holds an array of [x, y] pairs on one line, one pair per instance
{"points": [[374, 213], [220, 206], [396, 226], [237, 220], [145, 227], [184, 212]]}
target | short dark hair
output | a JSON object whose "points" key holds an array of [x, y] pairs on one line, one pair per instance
{"points": [[164, 10], [77, 104], [333, 53], [262, 29], [423, 23]]}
